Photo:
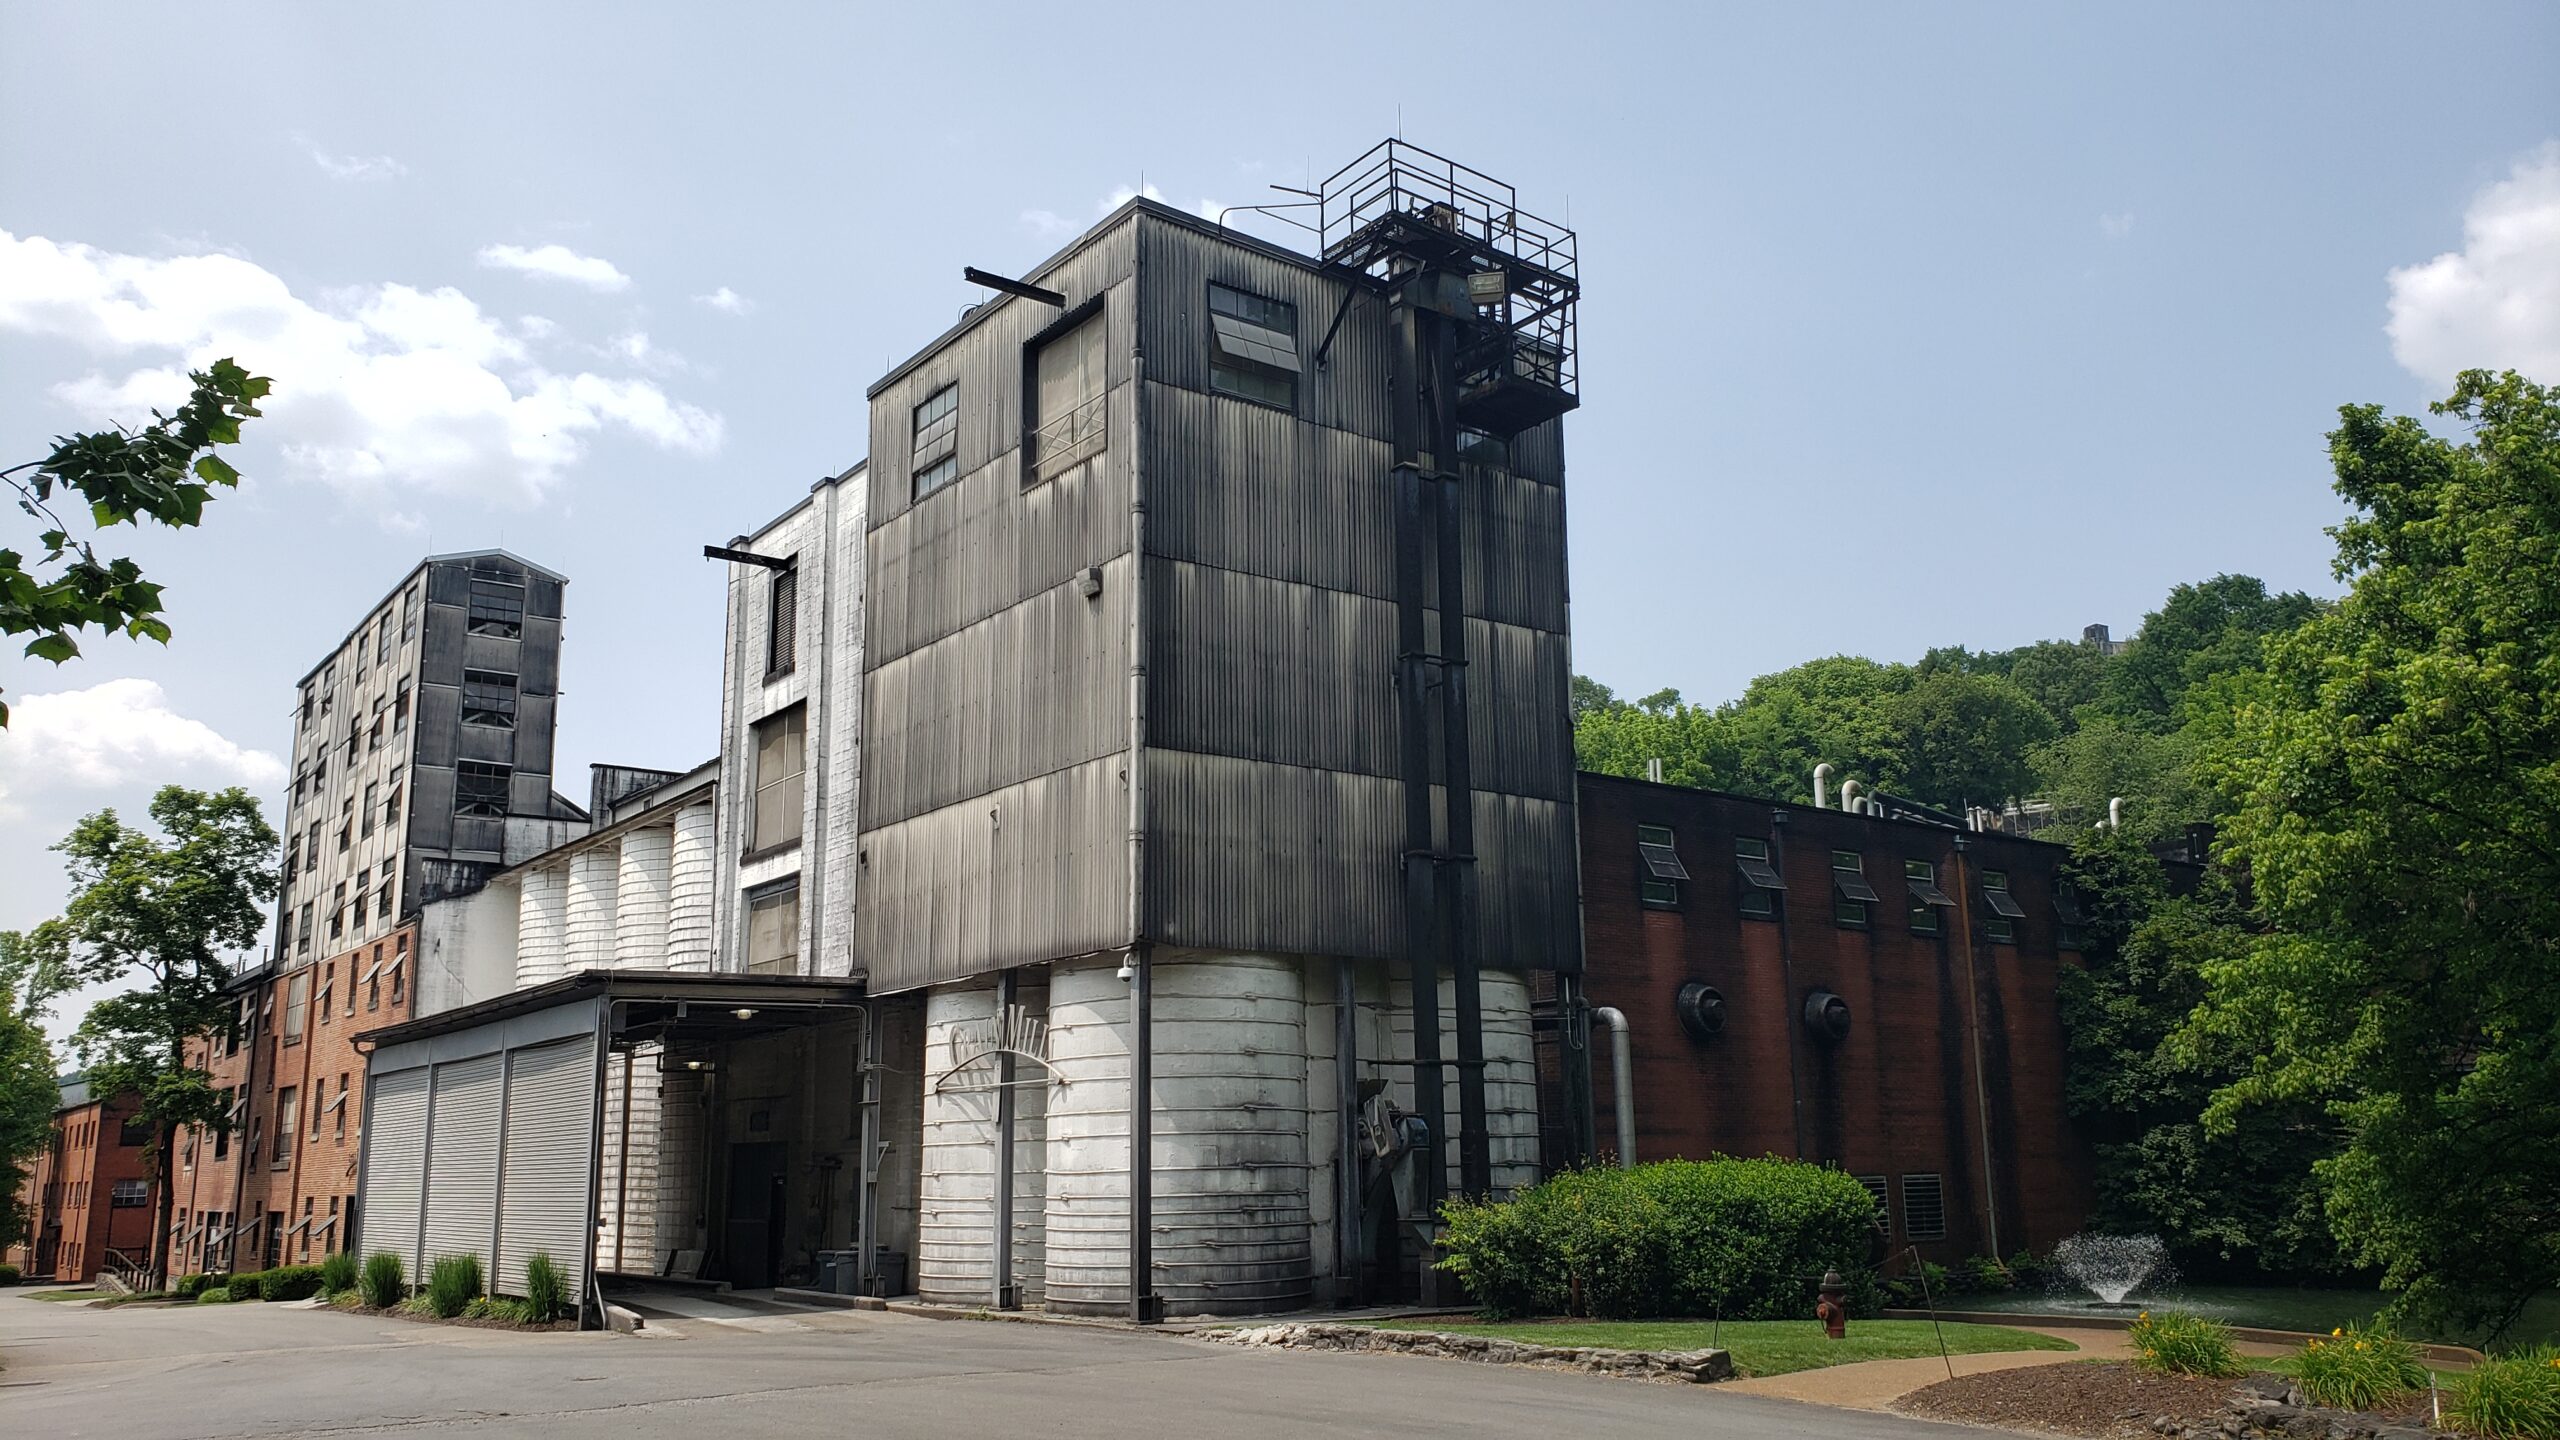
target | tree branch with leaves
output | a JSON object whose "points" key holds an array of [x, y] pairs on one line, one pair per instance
{"points": [[165, 471]]}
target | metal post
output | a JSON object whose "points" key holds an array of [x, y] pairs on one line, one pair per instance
{"points": [[1346, 1159], [1146, 1307], [1007, 1295], [867, 1165], [1414, 757], [1973, 1028]]}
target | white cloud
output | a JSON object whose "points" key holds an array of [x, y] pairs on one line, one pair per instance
{"points": [[2495, 303], [2116, 225], [376, 387], [354, 167], [556, 262], [726, 301], [117, 735]]}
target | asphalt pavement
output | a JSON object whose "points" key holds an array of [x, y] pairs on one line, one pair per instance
{"points": [[198, 1372]]}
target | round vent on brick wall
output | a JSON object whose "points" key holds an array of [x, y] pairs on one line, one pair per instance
{"points": [[1827, 1016], [1701, 1009]]}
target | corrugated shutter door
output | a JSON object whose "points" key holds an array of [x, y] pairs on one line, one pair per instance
{"points": [[395, 1166], [550, 1107], [462, 1190]]}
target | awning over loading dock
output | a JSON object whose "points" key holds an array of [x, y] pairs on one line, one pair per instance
{"points": [[481, 1132]]}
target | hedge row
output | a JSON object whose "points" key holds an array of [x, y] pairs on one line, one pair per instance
{"points": [[1747, 1239], [285, 1282]]}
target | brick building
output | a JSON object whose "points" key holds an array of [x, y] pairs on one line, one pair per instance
{"points": [[1869, 992], [422, 757], [88, 1195]]}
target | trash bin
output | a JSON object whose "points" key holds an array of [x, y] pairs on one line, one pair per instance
{"points": [[889, 1272], [840, 1271]]}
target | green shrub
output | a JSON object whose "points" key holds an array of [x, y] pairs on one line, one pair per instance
{"points": [[385, 1281], [2358, 1369], [453, 1282], [493, 1307], [338, 1274], [191, 1286], [1984, 1275], [546, 1290], [8, 1274], [2515, 1396], [2176, 1344], [214, 1295], [2027, 1270], [246, 1287], [1748, 1239], [289, 1282]]}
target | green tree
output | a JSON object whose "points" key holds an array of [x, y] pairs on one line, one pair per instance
{"points": [[30, 972], [2215, 628], [2059, 675], [165, 471], [1963, 739], [2107, 759], [162, 911], [1590, 697], [2241, 1202], [2394, 777]]}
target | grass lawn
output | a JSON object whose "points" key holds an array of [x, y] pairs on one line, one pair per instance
{"points": [[1759, 1347]]}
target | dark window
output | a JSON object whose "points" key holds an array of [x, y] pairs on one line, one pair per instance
{"points": [[134, 1130], [1924, 1208], [409, 612], [1850, 893], [306, 706], [372, 797], [781, 748], [129, 1195], [782, 623], [480, 788], [391, 805], [489, 698], [400, 710], [1884, 1210], [1253, 347], [359, 920], [303, 930], [337, 921], [1761, 883], [1659, 870], [1921, 879], [2000, 926], [2071, 929], [936, 457], [773, 929], [1068, 407], [497, 607], [382, 640]]}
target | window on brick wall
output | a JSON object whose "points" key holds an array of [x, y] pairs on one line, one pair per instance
{"points": [[782, 623], [1884, 1209], [297, 1003], [1850, 892], [1760, 882], [1659, 872], [288, 1115], [1999, 925], [781, 746], [773, 929], [1921, 878]]}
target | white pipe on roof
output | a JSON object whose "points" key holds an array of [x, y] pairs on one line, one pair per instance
{"points": [[1822, 786]]}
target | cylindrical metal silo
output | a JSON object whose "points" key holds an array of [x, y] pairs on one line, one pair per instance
{"points": [[592, 876], [1086, 1250], [542, 911], [1510, 1080], [640, 899], [689, 888], [955, 1211], [1231, 1222]]}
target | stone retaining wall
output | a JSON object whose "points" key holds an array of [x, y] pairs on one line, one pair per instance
{"points": [[1697, 1366], [2270, 1407]]}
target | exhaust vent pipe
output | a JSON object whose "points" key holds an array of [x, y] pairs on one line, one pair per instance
{"points": [[2115, 813], [1822, 786], [1622, 1071], [1849, 796]]}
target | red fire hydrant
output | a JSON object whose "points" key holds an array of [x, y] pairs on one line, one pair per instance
{"points": [[1833, 1308]]}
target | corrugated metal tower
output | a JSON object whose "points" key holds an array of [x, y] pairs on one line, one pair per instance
{"points": [[1481, 300]]}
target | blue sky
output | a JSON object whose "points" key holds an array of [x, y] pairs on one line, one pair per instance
{"points": [[1902, 325]]}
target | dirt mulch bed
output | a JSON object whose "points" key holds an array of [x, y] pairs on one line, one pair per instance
{"points": [[2105, 1398]]}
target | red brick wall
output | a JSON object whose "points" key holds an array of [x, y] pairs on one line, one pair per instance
{"points": [[70, 1195], [1898, 1097]]}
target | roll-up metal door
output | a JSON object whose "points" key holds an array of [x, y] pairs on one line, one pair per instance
{"points": [[550, 1114], [395, 1161], [462, 1188]]}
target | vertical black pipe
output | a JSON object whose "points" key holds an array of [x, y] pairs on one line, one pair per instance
{"points": [[1007, 1296], [1146, 1307], [1414, 756], [1787, 968], [1458, 892]]}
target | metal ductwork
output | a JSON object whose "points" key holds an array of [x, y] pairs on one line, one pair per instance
{"points": [[1701, 1010], [1827, 1016]]}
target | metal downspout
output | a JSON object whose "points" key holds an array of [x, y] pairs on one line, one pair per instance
{"points": [[595, 1159], [1973, 1031], [1002, 1292], [867, 1164], [1346, 1160], [1146, 1307], [1623, 1081]]}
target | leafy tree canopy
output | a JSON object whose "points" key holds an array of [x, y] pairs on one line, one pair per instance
{"points": [[2394, 774], [165, 471], [29, 973]]}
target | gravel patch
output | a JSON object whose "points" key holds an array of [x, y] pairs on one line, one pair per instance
{"points": [[2106, 1398]]}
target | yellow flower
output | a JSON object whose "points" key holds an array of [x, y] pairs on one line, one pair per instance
{"points": [[2334, 1330], [2359, 1344]]}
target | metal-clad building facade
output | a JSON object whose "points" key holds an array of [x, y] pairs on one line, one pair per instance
{"points": [[996, 812]]}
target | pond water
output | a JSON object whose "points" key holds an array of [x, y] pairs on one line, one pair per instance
{"points": [[2269, 1306]]}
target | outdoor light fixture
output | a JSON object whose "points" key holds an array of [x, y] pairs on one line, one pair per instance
{"points": [[1127, 971], [744, 1014], [700, 1065]]}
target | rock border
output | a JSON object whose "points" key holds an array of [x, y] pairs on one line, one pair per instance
{"points": [[2271, 1407], [1695, 1366]]}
